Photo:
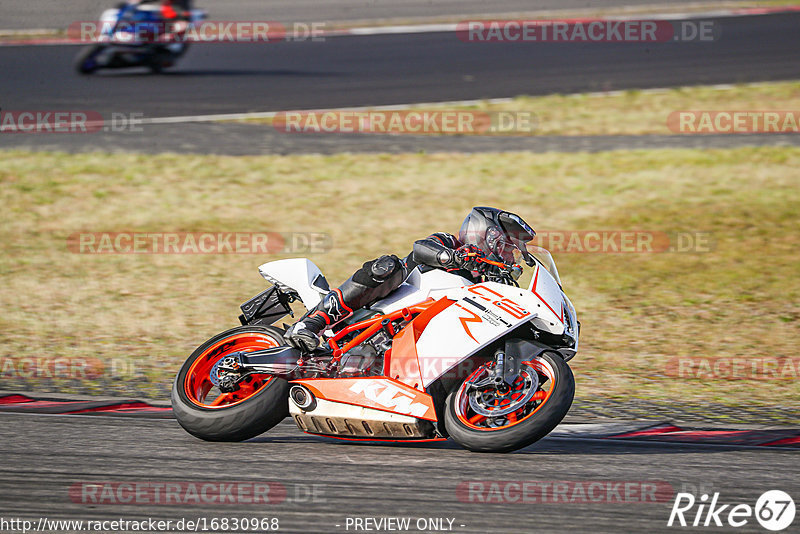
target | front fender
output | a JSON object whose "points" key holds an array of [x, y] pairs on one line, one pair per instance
{"points": [[520, 349]]}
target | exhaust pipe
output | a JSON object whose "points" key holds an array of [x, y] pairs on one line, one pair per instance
{"points": [[303, 398]]}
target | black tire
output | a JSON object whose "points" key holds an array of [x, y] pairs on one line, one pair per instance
{"points": [[157, 63], [249, 418], [161, 59], [84, 61], [527, 431]]}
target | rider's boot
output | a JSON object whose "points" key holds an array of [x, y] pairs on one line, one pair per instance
{"points": [[305, 334], [373, 281]]}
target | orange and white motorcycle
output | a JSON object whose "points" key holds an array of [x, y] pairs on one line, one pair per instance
{"points": [[482, 363]]}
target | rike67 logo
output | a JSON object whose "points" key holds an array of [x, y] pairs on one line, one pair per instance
{"points": [[774, 510]]}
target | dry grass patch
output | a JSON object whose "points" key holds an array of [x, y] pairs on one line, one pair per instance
{"points": [[637, 310]]}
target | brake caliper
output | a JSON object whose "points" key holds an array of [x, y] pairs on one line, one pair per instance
{"points": [[227, 373], [505, 388]]}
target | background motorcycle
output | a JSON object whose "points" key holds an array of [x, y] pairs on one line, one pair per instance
{"points": [[482, 363], [137, 35]]}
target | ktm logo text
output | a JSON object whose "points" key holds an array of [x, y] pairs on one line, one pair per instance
{"points": [[390, 397]]}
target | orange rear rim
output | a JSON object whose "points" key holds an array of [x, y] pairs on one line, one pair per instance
{"points": [[201, 389], [476, 421]]}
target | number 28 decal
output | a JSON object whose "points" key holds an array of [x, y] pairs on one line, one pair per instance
{"points": [[507, 305]]}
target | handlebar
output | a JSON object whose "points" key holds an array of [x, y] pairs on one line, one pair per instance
{"points": [[503, 266], [482, 259], [496, 263]]}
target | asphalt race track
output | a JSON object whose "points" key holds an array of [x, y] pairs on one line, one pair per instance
{"points": [[45, 456], [49, 460], [380, 70], [20, 14], [395, 69]]}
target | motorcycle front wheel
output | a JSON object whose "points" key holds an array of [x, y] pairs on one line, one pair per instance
{"points": [[86, 60], [510, 417], [261, 402]]}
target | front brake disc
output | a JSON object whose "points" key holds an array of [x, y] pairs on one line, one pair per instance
{"points": [[480, 401]]}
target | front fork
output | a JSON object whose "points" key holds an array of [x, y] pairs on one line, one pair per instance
{"points": [[504, 371]]}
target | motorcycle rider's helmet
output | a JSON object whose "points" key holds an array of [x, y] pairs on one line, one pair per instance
{"points": [[499, 234]]}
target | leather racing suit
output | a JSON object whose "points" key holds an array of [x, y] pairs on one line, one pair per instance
{"points": [[374, 281]]}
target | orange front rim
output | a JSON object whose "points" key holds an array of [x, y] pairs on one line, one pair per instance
{"points": [[200, 387], [544, 389]]}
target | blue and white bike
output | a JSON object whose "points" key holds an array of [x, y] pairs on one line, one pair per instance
{"points": [[137, 34]]}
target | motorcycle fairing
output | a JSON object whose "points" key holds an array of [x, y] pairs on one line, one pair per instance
{"points": [[348, 421], [482, 314], [375, 393], [402, 362], [365, 408], [549, 293], [419, 286]]}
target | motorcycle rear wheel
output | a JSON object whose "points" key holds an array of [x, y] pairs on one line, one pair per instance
{"points": [[536, 415], [261, 402]]}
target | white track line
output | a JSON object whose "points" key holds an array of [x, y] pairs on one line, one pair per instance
{"points": [[402, 107], [271, 114]]}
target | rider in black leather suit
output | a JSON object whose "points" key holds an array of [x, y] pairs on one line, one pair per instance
{"points": [[491, 232]]}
